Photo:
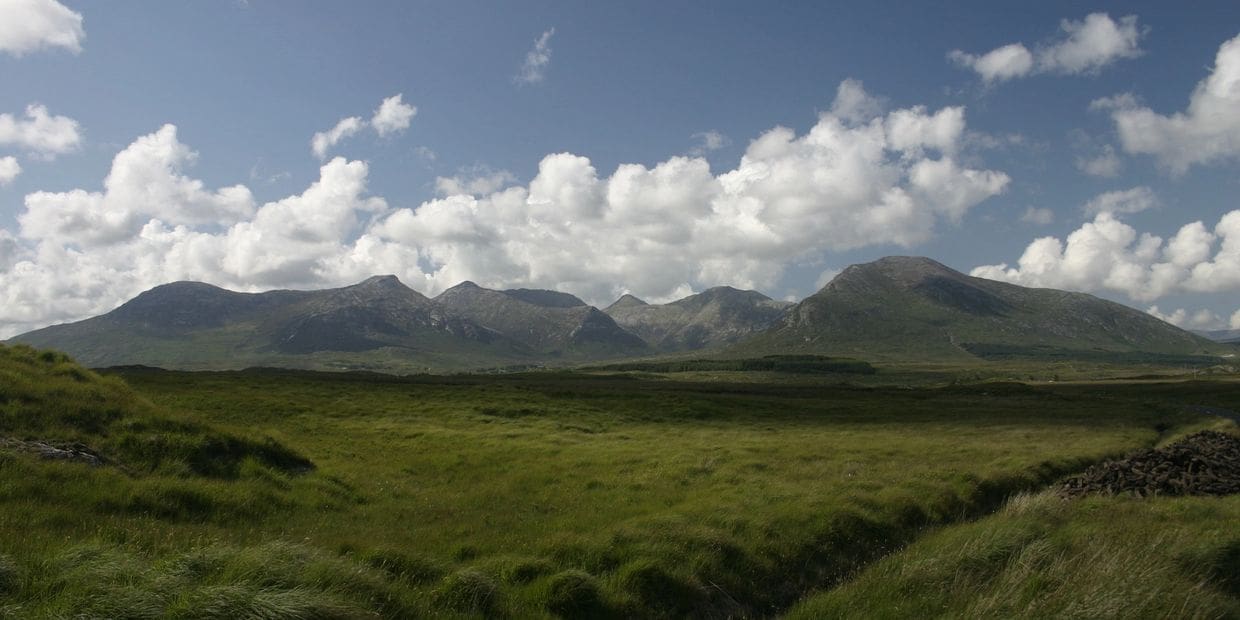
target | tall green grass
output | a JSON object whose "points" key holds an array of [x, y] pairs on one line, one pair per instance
{"points": [[540, 495], [47, 397], [1046, 557]]}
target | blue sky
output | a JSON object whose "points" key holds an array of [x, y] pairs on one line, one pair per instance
{"points": [[956, 156]]}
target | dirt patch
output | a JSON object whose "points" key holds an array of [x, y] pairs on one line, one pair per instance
{"points": [[1204, 463], [74, 452]]}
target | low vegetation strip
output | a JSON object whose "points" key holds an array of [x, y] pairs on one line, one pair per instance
{"points": [[1204, 463], [800, 364]]}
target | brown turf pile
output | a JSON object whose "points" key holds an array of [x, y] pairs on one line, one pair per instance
{"points": [[1204, 463]]}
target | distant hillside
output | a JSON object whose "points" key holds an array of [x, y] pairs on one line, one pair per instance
{"points": [[1230, 336], [916, 308], [377, 324], [711, 318], [547, 322]]}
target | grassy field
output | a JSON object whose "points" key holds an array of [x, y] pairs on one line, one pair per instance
{"points": [[546, 494]]}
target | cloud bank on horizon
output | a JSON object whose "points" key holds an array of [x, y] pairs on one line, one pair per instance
{"points": [[867, 174]]}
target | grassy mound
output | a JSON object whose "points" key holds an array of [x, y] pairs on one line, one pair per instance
{"points": [[49, 402]]}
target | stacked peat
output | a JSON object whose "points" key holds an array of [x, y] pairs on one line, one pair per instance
{"points": [[1204, 463]]}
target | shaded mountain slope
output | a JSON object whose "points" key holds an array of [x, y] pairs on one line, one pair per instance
{"points": [[378, 323], [711, 318], [544, 321], [916, 308]]}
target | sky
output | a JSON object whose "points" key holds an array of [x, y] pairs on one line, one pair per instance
{"points": [[650, 148]]}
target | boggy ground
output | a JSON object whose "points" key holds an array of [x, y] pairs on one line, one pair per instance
{"points": [[547, 494]]}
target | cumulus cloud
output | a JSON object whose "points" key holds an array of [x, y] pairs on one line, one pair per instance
{"points": [[1234, 323], [323, 141], [534, 69], [146, 181], [39, 132], [1208, 131], [658, 231], [1133, 200], [391, 117], [1083, 47], [1107, 164], [1039, 216], [30, 25], [9, 169], [853, 104], [1109, 255]]}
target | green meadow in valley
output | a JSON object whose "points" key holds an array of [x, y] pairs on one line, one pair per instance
{"points": [[273, 493]]}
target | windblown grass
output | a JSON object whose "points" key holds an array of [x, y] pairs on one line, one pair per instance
{"points": [[1046, 557]]}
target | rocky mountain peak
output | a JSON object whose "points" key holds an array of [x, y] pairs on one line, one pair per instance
{"points": [[627, 301]]}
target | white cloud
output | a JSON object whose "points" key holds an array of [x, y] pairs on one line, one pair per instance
{"points": [[1234, 323], [1133, 200], [1109, 255], [392, 116], [474, 181], [41, 134], [30, 25], [998, 65], [878, 180], [706, 142], [853, 104], [146, 182], [1039, 216], [9, 169], [323, 141], [1208, 131], [1106, 165], [1085, 47], [534, 69], [658, 231], [1091, 44]]}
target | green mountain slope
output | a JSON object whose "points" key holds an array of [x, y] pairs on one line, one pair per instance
{"points": [[711, 318], [916, 308]]}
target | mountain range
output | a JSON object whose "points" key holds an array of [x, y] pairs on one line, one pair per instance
{"points": [[1231, 336], [907, 308], [915, 308]]}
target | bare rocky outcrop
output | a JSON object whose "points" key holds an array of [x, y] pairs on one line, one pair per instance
{"points": [[72, 452]]}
